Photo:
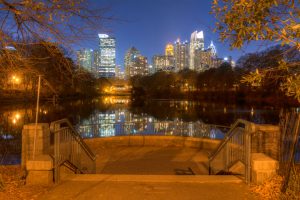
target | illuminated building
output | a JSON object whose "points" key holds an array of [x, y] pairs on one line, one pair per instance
{"points": [[163, 63], [203, 60], [196, 43], [212, 49], [96, 61], [169, 51], [181, 55], [107, 48], [135, 63], [129, 61], [84, 58], [141, 66], [119, 73], [206, 59]]}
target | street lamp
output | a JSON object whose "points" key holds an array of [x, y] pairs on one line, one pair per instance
{"points": [[15, 80]]}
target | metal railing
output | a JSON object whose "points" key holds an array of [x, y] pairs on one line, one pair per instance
{"points": [[235, 147], [70, 150]]}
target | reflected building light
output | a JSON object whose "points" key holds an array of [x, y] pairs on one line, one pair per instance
{"points": [[17, 116], [212, 134], [225, 110], [252, 112]]}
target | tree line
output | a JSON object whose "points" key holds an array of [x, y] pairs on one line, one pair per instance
{"points": [[225, 83]]}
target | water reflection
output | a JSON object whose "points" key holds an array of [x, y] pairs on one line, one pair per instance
{"points": [[111, 116], [122, 122]]}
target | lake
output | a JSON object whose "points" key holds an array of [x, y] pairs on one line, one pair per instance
{"points": [[112, 116]]}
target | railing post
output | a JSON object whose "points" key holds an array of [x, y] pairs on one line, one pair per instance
{"points": [[227, 157], [248, 130], [56, 153], [56, 157]]}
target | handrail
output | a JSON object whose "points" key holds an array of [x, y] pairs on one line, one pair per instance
{"points": [[226, 138], [69, 147], [237, 147], [57, 124]]}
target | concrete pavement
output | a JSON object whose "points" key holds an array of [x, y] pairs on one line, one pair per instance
{"points": [[149, 189]]}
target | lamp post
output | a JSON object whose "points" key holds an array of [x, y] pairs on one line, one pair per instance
{"points": [[36, 116]]}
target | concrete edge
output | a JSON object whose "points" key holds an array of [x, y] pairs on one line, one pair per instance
{"points": [[163, 141], [156, 178]]}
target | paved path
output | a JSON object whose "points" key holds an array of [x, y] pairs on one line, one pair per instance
{"points": [[151, 173], [155, 188], [151, 160]]}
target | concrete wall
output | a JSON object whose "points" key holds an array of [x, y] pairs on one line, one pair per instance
{"points": [[42, 143], [37, 161], [163, 141], [266, 139]]}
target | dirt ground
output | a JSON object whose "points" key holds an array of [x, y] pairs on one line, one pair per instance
{"points": [[12, 184]]}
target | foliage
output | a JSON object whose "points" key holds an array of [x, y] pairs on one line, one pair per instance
{"points": [[59, 73], [32, 31], [243, 21], [31, 36], [165, 85]]}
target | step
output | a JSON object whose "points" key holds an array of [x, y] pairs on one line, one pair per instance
{"points": [[156, 178]]}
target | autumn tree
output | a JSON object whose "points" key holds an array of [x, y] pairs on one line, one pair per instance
{"points": [[241, 21], [25, 23]]}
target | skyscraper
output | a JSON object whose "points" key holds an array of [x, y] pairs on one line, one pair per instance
{"points": [[163, 63], [181, 55], [212, 49], [107, 48], [96, 62], [196, 43], [141, 66], [169, 51], [84, 58], [129, 61]]}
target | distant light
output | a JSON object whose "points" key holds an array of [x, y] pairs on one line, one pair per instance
{"points": [[199, 34], [226, 59], [10, 48], [103, 35]]}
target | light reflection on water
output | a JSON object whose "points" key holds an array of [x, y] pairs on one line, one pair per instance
{"points": [[122, 122], [112, 116]]}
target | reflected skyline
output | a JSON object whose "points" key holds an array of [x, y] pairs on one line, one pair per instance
{"points": [[118, 115]]}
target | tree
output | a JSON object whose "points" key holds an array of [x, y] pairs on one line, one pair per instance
{"points": [[243, 21], [28, 22]]}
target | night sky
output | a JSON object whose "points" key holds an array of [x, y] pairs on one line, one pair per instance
{"points": [[150, 24]]}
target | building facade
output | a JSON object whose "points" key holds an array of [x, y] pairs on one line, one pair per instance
{"points": [[196, 43], [129, 61], [119, 73], [206, 59], [107, 49], [181, 55], [96, 61], [141, 66], [163, 63], [85, 58], [169, 50], [203, 60]]}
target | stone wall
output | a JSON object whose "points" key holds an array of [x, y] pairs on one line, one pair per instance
{"points": [[266, 140]]}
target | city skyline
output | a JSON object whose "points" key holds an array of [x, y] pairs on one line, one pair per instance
{"points": [[177, 56], [149, 27]]}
